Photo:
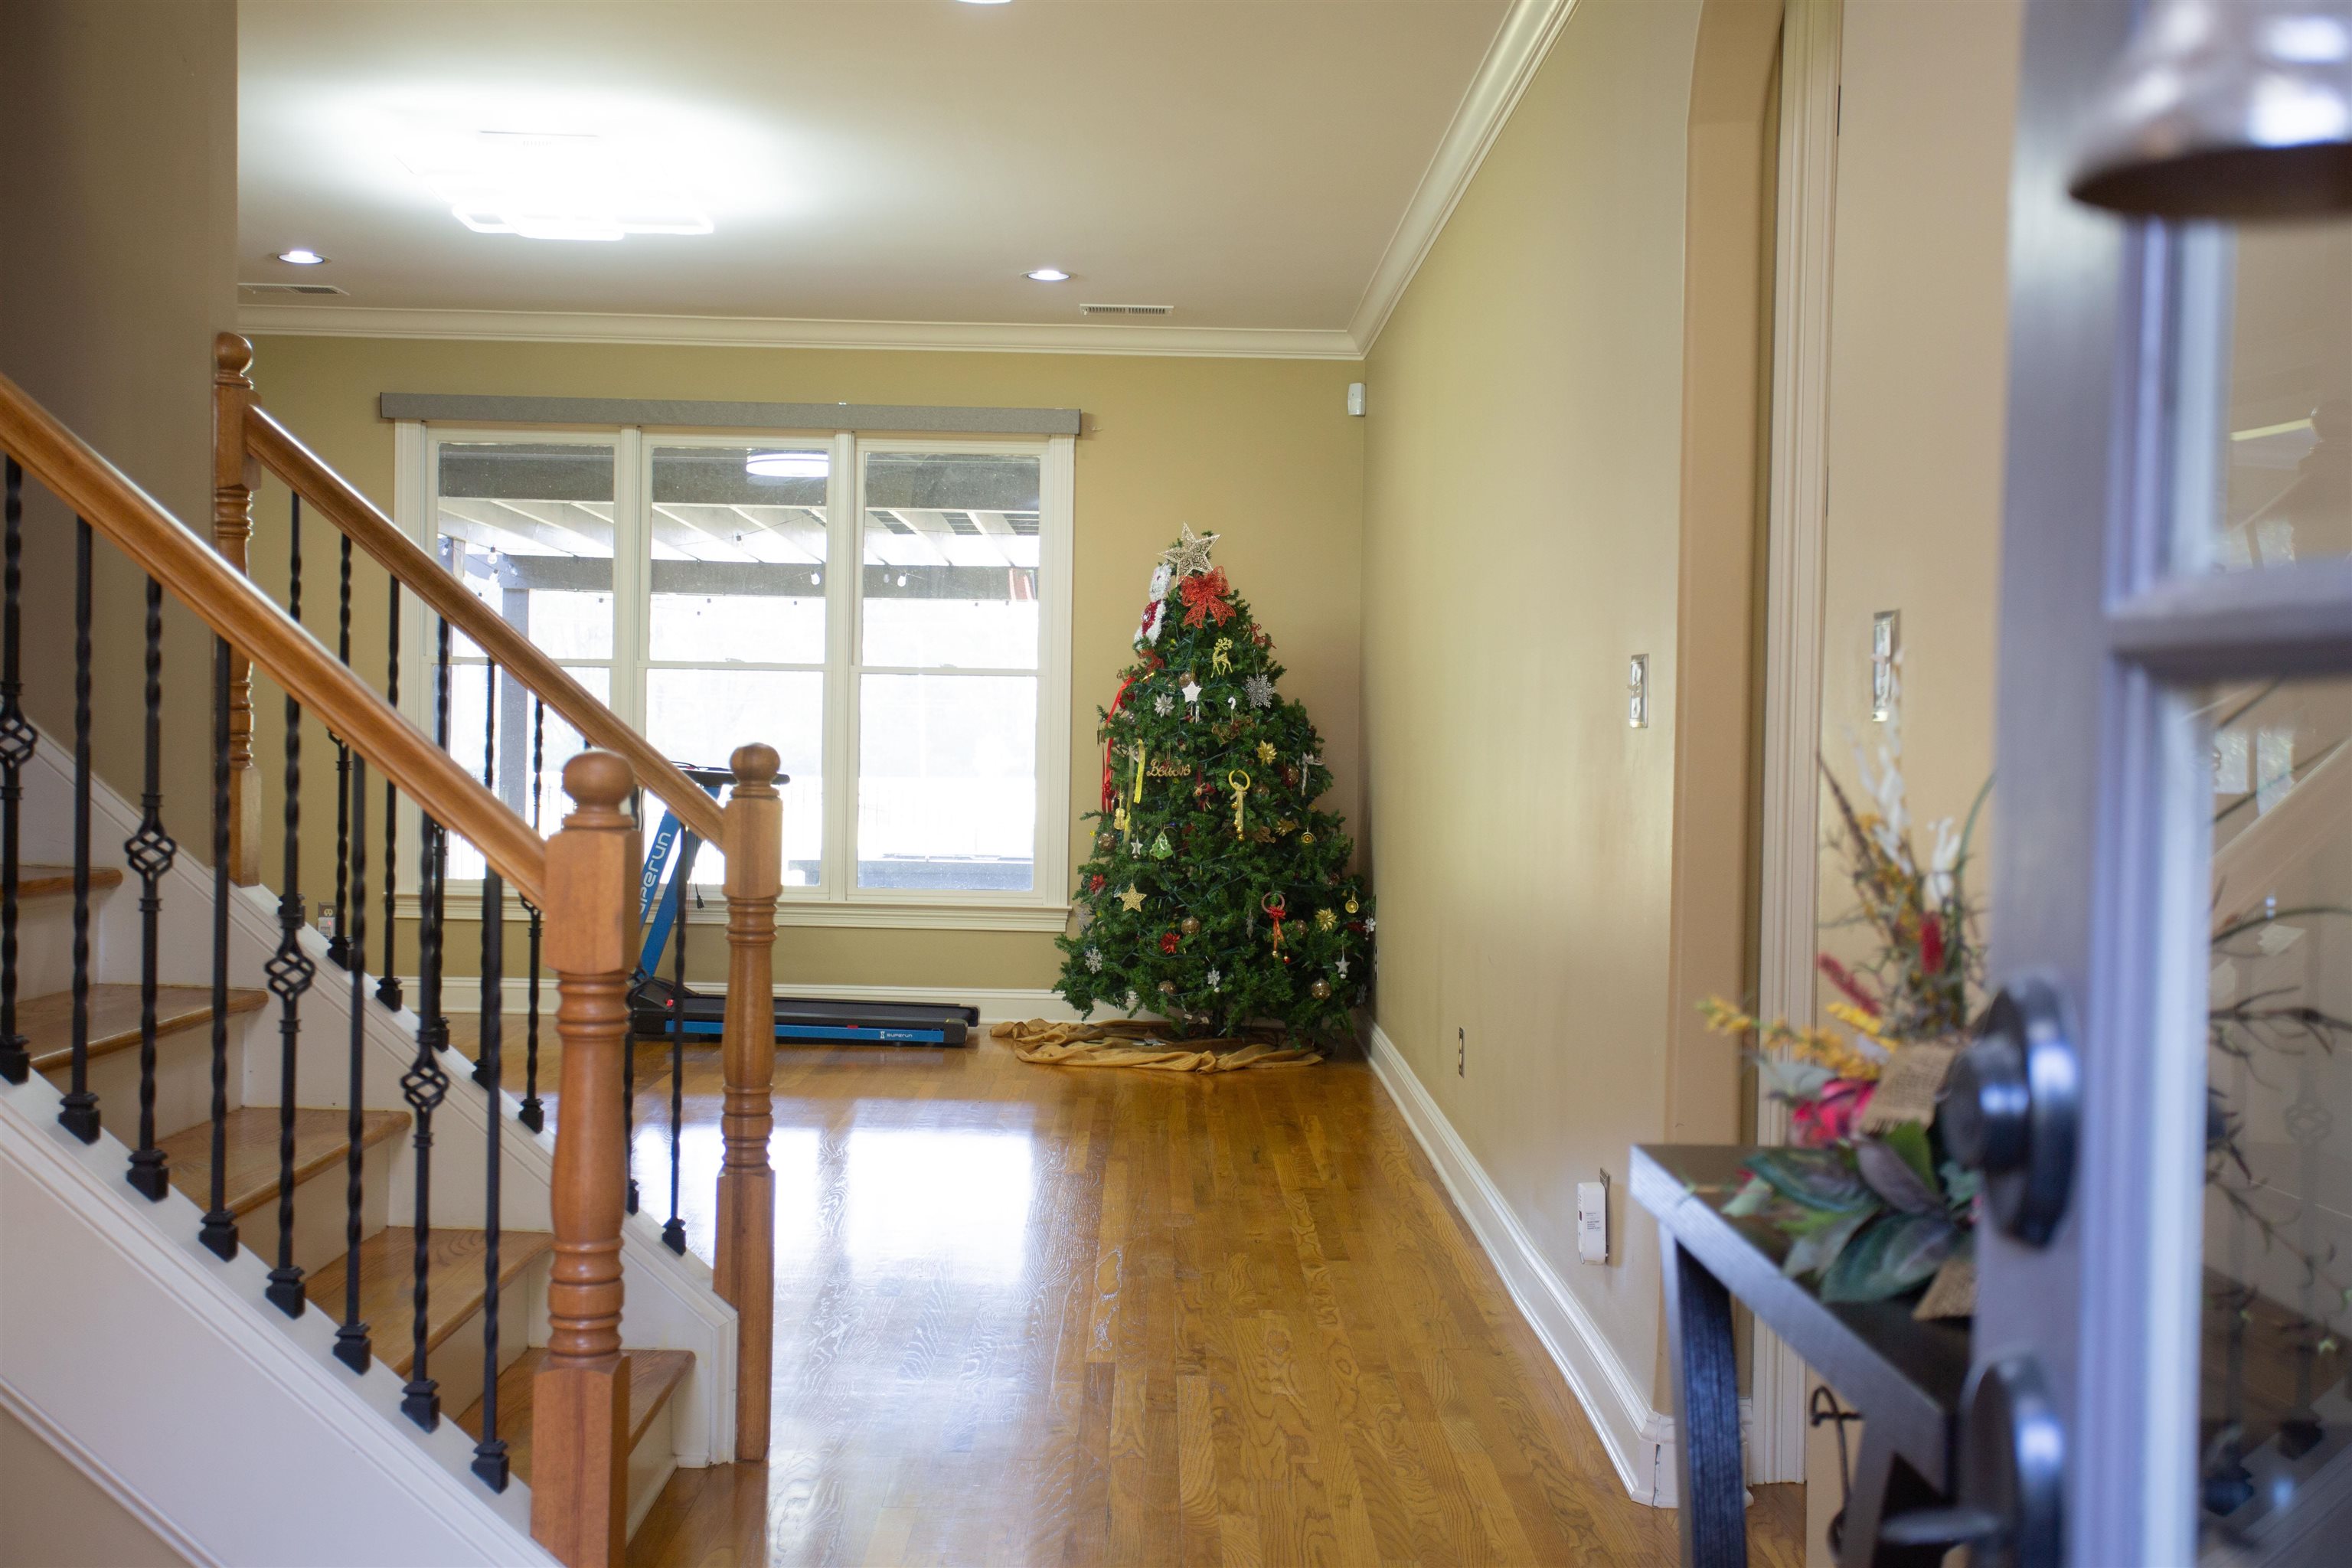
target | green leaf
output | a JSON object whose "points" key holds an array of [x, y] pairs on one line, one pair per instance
{"points": [[1816, 1178], [1751, 1199], [1791, 1079], [1821, 1249], [1889, 1256], [1890, 1175], [1909, 1140], [1961, 1185]]}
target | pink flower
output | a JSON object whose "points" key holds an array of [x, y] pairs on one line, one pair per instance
{"points": [[1830, 1117]]}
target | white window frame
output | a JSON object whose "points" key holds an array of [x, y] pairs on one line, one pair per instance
{"points": [[836, 901]]}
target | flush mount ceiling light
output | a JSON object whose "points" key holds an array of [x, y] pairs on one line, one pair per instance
{"points": [[302, 258], [789, 465], [552, 184], [1042, 274]]}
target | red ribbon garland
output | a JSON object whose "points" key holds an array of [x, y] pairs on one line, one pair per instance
{"points": [[1110, 747]]}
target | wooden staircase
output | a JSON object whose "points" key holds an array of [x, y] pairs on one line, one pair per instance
{"points": [[322, 1144]]}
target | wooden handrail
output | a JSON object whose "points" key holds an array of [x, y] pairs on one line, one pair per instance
{"points": [[303, 471], [226, 600]]}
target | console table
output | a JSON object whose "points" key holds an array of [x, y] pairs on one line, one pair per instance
{"points": [[1904, 1376]]}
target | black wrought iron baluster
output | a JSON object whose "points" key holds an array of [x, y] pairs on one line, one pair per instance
{"points": [[17, 741], [339, 947], [219, 1229], [432, 1027], [79, 1112], [387, 986], [290, 969], [351, 1343], [490, 1453], [674, 1230], [424, 1085], [494, 910], [533, 1114], [150, 853]]}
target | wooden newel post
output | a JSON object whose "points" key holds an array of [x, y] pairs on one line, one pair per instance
{"points": [[235, 475], [579, 1498], [746, 1271]]}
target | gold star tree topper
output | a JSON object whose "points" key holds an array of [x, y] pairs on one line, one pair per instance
{"points": [[1189, 555]]}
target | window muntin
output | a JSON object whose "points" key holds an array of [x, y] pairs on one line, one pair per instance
{"points": [[703, 639]]}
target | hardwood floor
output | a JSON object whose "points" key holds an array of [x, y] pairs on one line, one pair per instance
{"points": [[1041, 1315]]}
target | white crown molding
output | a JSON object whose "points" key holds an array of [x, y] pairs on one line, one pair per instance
{"points": [[1519, 46], [777, 332]]}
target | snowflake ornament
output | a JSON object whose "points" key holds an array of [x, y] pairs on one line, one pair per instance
{"points": [[1370, 925], [1094, 960], [1216, 981], [1260, 689], [1163, 705]]}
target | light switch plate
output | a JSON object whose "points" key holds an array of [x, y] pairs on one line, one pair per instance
{"points": [[1637, 692], [1886, 642], [1592, 1221]]}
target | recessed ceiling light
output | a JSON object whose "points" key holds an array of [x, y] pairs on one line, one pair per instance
{"points": [[553, 184], [302, 258], [1042, 274], [789, 465]]}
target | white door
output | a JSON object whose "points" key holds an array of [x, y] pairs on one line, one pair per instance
{"points": [[2163, 1320]]}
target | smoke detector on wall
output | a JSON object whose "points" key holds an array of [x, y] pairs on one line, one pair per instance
{"points": [[1126, 310]]}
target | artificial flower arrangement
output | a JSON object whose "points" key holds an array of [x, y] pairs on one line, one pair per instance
{"points": [[1873, 1204]]}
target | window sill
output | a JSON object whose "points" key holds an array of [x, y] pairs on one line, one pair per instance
{"points": [[467, 905]]}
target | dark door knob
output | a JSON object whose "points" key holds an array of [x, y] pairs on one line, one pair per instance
{"points": [[2011, 1105], [2011, 1483]]}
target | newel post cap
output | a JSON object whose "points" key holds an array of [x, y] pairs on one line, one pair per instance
{"points": [[598, 781]]}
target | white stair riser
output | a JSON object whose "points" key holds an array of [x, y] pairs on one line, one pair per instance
{"points": [[651, 1464], [319, 1211], [44, 944], [455, 1364], [183, 1081]]}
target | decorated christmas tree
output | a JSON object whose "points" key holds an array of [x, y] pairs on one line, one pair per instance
{"points": [[1217, 895]]}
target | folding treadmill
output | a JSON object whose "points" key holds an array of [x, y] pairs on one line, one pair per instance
{"points": [[658, 1005]]}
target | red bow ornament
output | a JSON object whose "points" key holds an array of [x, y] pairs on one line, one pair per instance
{"points": [[1204, 596]]}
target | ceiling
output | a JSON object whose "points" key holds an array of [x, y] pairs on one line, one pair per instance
{"points": [[865, 161]]}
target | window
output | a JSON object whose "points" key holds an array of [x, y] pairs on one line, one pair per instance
{"points": [[921, 703]]}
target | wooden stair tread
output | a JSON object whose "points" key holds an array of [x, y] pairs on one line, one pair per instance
{"points": [[321, 1138], [387, 1275], [40, 881], [654, 1376], [47, 1022]]}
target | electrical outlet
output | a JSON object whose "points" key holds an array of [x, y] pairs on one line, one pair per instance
{"points": [[1592, 1221], [1461, 1053]]}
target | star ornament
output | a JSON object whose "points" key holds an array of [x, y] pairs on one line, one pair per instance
{"points": [[1189, 555], [1132, 900]]}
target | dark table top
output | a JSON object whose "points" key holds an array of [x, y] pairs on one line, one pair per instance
{"points": [[1904, 1375]]}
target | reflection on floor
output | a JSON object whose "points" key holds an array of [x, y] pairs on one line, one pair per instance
{"points": [[1030, 1315]]}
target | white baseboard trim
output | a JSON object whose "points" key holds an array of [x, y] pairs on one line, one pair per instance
{"points": [[462, 994], [1639, 1438]]}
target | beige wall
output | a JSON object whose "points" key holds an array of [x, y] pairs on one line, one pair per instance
{"points": [[118, 263], [1917, 389], [1262, 450], [53, 1516], [1561, 474]]}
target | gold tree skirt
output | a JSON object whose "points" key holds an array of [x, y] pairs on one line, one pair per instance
{"points": [[1127, 1044]]}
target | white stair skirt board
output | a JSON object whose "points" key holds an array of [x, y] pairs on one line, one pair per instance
{"points": [[461, 995], [668, 1300], [134, 1349], [1640, 1440]]}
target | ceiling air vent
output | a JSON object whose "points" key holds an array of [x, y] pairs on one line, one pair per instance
{"points": [[292, 288], [1126, 310]]}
